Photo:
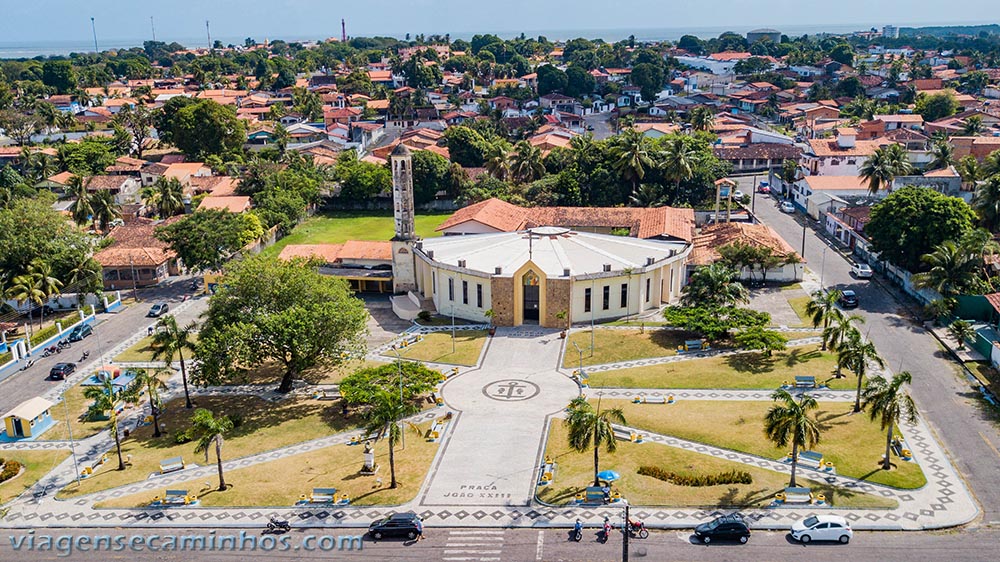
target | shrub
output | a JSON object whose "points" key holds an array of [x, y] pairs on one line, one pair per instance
{"points": [[182, 438], [424, 316], [696, 480], [10, 470]]}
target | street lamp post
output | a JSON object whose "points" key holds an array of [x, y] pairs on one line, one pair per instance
{"points": [[822, 268], [580, 353], [803, 252], [72, 445], [453, 328], [399, 369]]}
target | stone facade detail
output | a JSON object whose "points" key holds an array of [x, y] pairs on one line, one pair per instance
{"points": [[557, 296], [502, 289]]}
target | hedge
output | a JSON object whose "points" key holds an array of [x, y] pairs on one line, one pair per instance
{"points": [[10, 470], [729, 477]]}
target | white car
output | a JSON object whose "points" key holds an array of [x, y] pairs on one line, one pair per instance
{"points": [[822, 528], [862, 271], [787, 207], [738, 195]]}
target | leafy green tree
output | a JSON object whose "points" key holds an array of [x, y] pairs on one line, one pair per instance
{"points": [[360, 181], [382, 418], [169, 341], [105, 209], [961, 331], [60, 75], [936, 106], [883, 166], [579, 82], [856, 354], [19, 125], [714, 285], [551, 79], [843, 53], [207, 238], [911, 221], [287, 312], [649, 78], [362, 386], [714, 322], [30, 229], [822, 308], [203, 128], [431, 174], [592, 428], [137, 120], [767, 341], [466, 146], [789, 421], [210, 430], [87, 158], [886, 402], [152, 383], [106, 397]]}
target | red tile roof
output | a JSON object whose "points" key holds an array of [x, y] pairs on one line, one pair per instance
{"points": [[713, 237], [231, 203]]}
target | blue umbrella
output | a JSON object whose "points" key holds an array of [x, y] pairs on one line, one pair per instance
{"points": [[608, 475]]}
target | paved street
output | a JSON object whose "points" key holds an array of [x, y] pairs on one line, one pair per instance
{"points": [[601, 122], [109, 332], [948, 404], [530, 545]]}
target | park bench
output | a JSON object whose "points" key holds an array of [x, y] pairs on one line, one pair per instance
{"points": [[805, 381], [594, 495], [692, 346], [547, 471], [626, 434], [408, 341], [176, 497], [660, 399], [434, 433], [327, 395], [323, 495], [171, 465], [811, 459], [798, 495]]}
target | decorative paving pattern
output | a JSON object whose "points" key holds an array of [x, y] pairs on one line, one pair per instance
{"points": [[511, 390], [717, 394]]}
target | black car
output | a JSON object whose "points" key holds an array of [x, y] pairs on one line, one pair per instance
{"points": [[848, 299], [61, 370], [80, 332], [726, 528], [397, 525]]}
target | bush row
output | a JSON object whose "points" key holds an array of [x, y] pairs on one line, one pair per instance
{"points": [[729, 477], [10, 470]]}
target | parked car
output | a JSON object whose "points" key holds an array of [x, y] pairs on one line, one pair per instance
{"points": [[726, 528], [848, 299], [822, 528], [862, 271], [80, 332], [738, 195], [763, 187], [62, 370], [787, 207], [157, 310], [406, 524]]}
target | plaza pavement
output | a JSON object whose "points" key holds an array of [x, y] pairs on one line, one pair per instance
{"points": [[486, 467]]}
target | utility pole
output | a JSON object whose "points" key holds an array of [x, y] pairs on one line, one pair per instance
{"points": [[209, 33], [803, 253], [153, 27], [625, 536], [93, 28], [135, 294], [343, 31], [72, 445]]}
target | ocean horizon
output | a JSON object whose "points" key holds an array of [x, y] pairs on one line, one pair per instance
{"points": [[31, 49]]}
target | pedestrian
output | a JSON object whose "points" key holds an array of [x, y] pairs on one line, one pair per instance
{"points": [[420, 530], [149, 331]]}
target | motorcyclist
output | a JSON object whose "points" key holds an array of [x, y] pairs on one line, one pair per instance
{"points": [[607, 528], [578, 526]]}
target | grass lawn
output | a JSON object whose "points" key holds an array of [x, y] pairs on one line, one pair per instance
{"points": [[576, 470], [265, 426], [437, 348], [612, 346], [798, 304], [281, 482], [77, 405], [339, 227], [743, 370], [270, 373], [852, 442], [986, 375], [36, 464]]}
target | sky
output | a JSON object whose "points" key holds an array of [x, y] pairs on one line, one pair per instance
{"points": [[66, 20]]}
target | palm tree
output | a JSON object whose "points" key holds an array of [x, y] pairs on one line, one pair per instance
{"points": [[153, 384], [170, 340], [81, 210], [986, 202], [885, 165], [382, 420], [498, 160], [855, 354], [943, 155], [526, 162], [789, 422], [952, 269], [961, 331], [106, 397], [36, 286], [210, 430], [23, 289], [886, 401], [821, 309], [588, 427], [678, 161], [840, 330], [715, 285], [631, 156], [702, 119], [167, 195], [648, 195], [991, 164], [105, 209], [973, 126]]}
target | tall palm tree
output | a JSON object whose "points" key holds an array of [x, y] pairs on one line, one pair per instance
{"points": [[76, 187], [942, 155], [991, 164], [167, 195], [953, 269], [855, 354], [648, 195], [821, 309], [106, 397], [383, 418], [588, 427], [631, 156], [678, 161], [210, 431], [702, 119], [884, 165], [153, 384], [36, 286], [886, 401], [24, 289], [839, 331], [526, 162], [968, 167], [169, 341], [498, 160], [105, 209], [789, 421], [986, 202], [973, 126], [715, 285]]}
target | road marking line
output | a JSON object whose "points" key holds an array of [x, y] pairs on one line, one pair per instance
{"points": [[477, 532], [990, 445], [538, 549], [451, 544], [461, 551], [476, 538]]}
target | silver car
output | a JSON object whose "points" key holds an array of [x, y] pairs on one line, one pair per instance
{"points": [[861, 271], [822, 528]]}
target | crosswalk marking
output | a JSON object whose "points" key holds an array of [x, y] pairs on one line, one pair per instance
{"points": [[473, 544]]}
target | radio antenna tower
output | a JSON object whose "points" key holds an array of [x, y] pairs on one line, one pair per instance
{"points": [[343, 31]]}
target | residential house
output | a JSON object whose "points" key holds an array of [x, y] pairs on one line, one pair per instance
{"points": [[124, 188], [715, 236], [842, 156], [559, 102], [231, 203], [365, 265], [901, 120], [136, 258]]}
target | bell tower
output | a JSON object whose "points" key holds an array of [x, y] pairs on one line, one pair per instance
{"points": [[404, 277]]}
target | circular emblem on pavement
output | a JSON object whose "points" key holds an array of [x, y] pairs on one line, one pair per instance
{"points": [[511, 390]]}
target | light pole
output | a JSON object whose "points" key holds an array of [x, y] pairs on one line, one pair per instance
{"points": [[72, 445], [453, 327], [822, 267], [399, 369], [803, 252], [580, 353], [593, 296]]}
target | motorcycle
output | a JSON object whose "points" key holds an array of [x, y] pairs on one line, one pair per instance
{"points": [[63, 344], [51, 350], [278, 525], [84, 357], [577, 533], [637, 529], [605, 533], [27, 364]]}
